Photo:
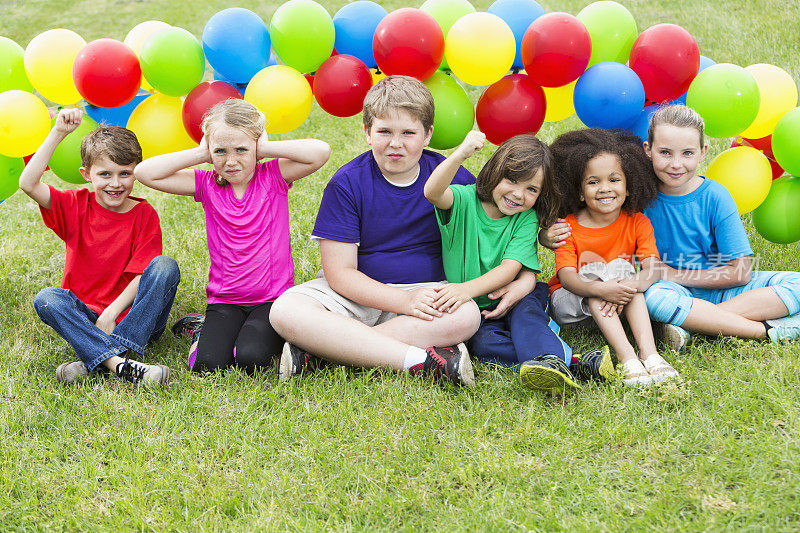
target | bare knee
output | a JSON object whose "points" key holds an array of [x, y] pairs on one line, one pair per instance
{"points": [[289, 314], [464, 322]]}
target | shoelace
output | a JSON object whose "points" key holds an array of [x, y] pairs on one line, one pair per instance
{"points": [[131, 371]]}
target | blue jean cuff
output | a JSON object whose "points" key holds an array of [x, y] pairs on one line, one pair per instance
{"points": [[108, 354], [128, 344]]}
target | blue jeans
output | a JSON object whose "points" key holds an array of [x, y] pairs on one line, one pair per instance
{"points": [[74, 321], [525, 333]]}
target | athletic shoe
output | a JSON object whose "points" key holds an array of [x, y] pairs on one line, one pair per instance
{"points": [[595, 365], [784, 329], [450, 362], [547, 373], [71, 372], [635, 374], [674, 336], [188, 325], [142, 374], [659, 369], [295, 360]]}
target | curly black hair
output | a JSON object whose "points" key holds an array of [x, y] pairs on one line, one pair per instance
{"points": [[573, 150]]}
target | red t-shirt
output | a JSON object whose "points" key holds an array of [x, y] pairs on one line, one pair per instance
{"points": [[105, 250]]}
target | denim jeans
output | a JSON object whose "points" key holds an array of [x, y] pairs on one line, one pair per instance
{"points": [[75, 322], [524, 333]]}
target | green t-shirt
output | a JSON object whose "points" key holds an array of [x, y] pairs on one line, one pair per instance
{"points": [[473, 243]]}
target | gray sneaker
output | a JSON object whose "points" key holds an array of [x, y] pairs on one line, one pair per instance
{"points": [[71, 372], [142, 374]]}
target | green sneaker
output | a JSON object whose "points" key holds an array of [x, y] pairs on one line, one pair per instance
{"points": [[595, 365], [547, 373]]}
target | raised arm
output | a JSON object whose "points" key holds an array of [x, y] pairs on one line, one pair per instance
{"points": [[170, 172], [437, 188], [296, 158]]}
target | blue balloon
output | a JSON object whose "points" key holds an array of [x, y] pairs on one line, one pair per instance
{"points": [[116, 116], [355, 26], [608, 95], [642, 123], [518, 14], [241, 86], [704, 64], [236, 43]]}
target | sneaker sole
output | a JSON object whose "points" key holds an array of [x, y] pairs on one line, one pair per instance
{"points": [[465, 371], [606, 369], [673, 338], [285, 367], [546, 379]]}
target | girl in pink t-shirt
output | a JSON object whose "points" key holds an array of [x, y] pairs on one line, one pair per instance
{"points": [[247, 225]]}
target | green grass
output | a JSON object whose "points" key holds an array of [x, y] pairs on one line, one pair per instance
{"points": [[371, 450]]}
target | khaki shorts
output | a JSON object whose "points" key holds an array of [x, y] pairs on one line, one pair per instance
{"points": [[568, 308], [333, 301]]}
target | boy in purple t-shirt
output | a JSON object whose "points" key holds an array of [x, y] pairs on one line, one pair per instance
{"points": [[381, 256]]}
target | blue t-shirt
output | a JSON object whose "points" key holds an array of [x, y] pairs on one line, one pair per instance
{"points": [[699, 230], [395, 227]]}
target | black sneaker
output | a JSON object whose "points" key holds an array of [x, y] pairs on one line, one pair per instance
{"points": [[188, 326], [295, 360], [450, 362], [142, 374], [547, 373], [595, 365]]}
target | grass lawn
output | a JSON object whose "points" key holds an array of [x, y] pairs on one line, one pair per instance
{"points": [[371, 450]]}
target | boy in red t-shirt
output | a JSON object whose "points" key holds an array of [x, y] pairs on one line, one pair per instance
{"points": [[118, 289]]}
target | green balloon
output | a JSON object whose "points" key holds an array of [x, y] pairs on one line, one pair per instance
{"points": [[612, 29], [785, 142], [446, 13], [727, 97], [10, 171], [777, 219], [12, 68], [302, 34], [454, 114], [172, 61], [66, 159]]}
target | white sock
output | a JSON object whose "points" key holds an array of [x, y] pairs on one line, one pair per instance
{"points": [[414, 356]]}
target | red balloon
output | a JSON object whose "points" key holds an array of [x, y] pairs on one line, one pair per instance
{"points": [[763, 145], [666, 58], [511, 106], [310, 79], [556, 49], [202, 98], [107, 73], [27, 159], [340, 85], [408, 41]]}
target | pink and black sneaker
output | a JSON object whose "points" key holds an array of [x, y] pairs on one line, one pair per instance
{"points": [[448, 362]]}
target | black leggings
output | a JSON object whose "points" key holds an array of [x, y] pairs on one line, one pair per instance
{"points": [[237, 335]]}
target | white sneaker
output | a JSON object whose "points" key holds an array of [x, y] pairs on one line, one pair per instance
{"points": [[142, 374], [634, 374], [659, 369]]}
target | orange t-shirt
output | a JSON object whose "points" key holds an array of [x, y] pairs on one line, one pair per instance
{"points": [[628, 236]]}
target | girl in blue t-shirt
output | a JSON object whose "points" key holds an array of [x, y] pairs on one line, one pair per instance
{"points": [[488, 235]]}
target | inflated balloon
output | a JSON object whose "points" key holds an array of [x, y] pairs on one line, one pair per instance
{"points": [[310, 79], [24, 123], [612, 30], [408, 41], [642, 123], [10, 170], [107, 73], [302, 34], [559, 102], [241, 87], [454, 115], [138, 35], [283, 95], [666, 58], [200, 100], [355, 26], [556, 49], [236, 43], [446, 13], [116, 116], [727, 98], [784, 141], [518, 14], [12, 67], [480, 48], [48, 62], [704, 64], [376, 75], [158, 125], [66, 160], [512, 106], [172, 61], [608, 95], [776, 218], [777, 95], [763, 145], [746, 173], [341, 84]]}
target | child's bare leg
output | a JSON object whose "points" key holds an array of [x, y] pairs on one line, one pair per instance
{"points": [[641, 327], [759, 304], [711, 319], [612, 329], [447, 330], [112, 362]]}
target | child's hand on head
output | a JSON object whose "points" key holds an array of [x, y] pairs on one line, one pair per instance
{"points": [[450, 297], [261, 145], [68, 120], [203, 147], [473, 142], [420, 304]]}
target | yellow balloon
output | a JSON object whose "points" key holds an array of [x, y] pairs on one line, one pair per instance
{"points": [[778, 95], [559, 102], [158, 125], [48, 62], [480, 48], [138, 35], [24, 123], [746, 173], [283, 95], [376, 75]]}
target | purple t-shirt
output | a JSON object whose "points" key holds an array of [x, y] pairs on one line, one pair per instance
{"points": [[395, 227], [248, 238]]}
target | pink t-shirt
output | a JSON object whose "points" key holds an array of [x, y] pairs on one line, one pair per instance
{"points": [[248, 238]]}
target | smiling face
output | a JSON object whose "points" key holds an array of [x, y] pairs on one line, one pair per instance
{"points": [[112, 183], [512, 195], [676, 153], [397, 140], [603, 187], [233, 153]]}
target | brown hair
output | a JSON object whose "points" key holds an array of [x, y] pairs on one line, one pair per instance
{"points": [[520, 158], [399, 92], [676, 115], [120, 145], [236, 113]]}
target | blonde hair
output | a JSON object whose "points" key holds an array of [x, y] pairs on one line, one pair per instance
{"points": [[236, 113], [676, 115], [399, 92]]}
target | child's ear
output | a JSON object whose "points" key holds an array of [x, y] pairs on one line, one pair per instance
{"points": [[85, 173], [428, 136], [646, 146], [367, 135], [703, 151]]}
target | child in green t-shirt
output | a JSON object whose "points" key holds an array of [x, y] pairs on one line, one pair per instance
{"points": [[488, 236]]}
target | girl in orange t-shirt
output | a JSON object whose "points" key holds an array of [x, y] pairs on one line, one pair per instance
{"points": [[606, 181]]}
